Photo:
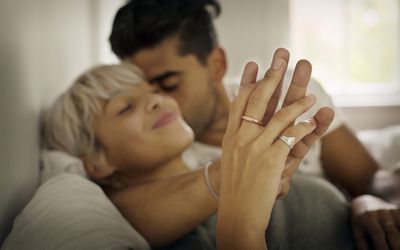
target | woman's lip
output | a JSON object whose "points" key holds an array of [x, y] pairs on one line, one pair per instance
{"points": [[165, 119]]}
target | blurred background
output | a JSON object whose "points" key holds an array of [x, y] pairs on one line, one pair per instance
{"points": [[354, 47]]}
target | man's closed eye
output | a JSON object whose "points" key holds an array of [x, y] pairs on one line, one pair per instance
{"points": [[169, 87]]}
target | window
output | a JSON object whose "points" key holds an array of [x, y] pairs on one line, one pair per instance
{"points": [[354, 47]]}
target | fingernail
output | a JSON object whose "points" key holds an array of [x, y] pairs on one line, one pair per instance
{"points": [[278, 63]]}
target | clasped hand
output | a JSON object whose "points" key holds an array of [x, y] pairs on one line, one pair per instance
{"points": [[256, 166]]}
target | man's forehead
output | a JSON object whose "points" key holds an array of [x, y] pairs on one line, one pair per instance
{"points": [[158, 59], [151, 66]]}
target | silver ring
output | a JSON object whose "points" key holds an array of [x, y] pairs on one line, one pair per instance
{"points": [[252, 120], [288, 140]]}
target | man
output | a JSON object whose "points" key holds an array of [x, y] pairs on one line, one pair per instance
{"points": [[176, 46]]}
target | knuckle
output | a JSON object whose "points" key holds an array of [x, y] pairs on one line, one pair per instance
{"points": [[376, 230], [256, 98], [270, 75], [381, 212], [285, 189], [226, 143], [234, 106], [235, 140], [239, 142], [370, 215], [279, 116], [291, 131], [302, 103], [253, 149]]}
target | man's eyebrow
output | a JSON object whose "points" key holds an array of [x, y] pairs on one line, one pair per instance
{"points": [[164, 76]]}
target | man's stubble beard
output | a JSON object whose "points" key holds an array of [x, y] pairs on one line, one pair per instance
{"points": [[203, 118]]}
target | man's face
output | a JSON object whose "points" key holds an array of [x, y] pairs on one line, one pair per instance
{"points": [[183, 78]]}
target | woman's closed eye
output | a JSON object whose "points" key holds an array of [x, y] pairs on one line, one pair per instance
{"points": [[125, 109]]}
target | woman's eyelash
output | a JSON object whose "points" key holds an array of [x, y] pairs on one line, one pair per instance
{"points": [[126, 108]]}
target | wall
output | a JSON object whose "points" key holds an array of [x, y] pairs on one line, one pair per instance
{"points": [[252, 30], [44, 44]]}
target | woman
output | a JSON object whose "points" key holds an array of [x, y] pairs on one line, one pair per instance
{"points": [[130, 136]]}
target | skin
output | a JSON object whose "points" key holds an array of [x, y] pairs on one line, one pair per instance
{"points": [[188, 89], [169, 214], [355, 173], [126, 134], [161, 67], [132, 116], [251, 154]]}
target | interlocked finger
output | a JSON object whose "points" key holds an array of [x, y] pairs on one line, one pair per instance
{"points": [[323, 117], [238, 105], [290, 136], [299, 84], [284, 117], [259, 98], [388, 222], [273, 102]]}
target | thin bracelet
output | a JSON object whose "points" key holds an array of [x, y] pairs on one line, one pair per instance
{"points": [[207, 179]]}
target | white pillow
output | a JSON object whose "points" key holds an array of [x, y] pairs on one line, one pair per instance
{"points": [[54, 162], [71, 212]]}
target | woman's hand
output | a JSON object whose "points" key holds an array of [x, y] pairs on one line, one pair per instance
{"points": [[296, 91], [253, 159], [376, 223]]}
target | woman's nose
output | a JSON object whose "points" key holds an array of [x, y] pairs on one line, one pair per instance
{"points": [[154, 102]]}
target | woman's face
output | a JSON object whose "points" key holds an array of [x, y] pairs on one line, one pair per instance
{"points": [[139, 129]]}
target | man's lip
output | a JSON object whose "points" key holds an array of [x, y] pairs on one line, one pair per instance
{"points": [[165, 119]]}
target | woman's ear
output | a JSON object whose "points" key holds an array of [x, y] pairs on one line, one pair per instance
{"points": [[97, 166], [217, 63]]}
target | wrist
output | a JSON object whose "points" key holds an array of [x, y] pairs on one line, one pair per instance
{"points": [[236, 235]]}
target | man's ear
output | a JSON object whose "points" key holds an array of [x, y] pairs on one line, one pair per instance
{"points": [[217, 63], [97, 166]]}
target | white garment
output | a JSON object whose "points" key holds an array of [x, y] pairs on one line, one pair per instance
{"points": [[199, 153]]}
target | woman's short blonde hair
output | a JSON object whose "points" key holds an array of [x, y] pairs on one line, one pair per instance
{"points": [[67, 124]]}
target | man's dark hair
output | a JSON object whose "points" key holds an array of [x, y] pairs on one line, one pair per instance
{"points": [[146, 23]]}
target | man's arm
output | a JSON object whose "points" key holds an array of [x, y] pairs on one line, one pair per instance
{"points": [[346, 161], [162, 211]]}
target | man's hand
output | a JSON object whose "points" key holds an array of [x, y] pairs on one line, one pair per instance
{"points": [[375, 223], [323, 117], [253, 159]]}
